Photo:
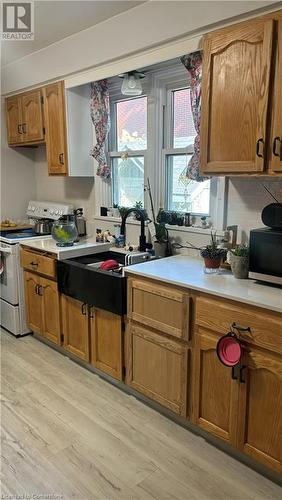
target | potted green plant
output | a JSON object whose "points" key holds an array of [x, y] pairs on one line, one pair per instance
{"points": [[212, 255], [239, 261]]}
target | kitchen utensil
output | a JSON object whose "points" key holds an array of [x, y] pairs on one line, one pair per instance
{"points": [[229, 349], [43, 226], [109, 264]]}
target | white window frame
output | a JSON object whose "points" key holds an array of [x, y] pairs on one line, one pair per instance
{"points": [[156, 85], [112, 143], [168, 149]]}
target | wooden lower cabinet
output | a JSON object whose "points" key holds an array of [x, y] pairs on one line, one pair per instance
{"points": [[106, 342], [260, 409], [33, 302], [75, 323], [42, 306], [245, 411], [215, 392], [157, 367]]}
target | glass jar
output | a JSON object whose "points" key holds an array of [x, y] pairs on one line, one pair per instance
{"points": [[64, 231]]}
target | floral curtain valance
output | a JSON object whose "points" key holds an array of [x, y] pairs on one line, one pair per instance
{"points": [[100, 115], [193, 64]]}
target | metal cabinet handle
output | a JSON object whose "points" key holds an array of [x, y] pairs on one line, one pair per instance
{"points": [[24, 126], [36, 289], [61, 158], [233, 373], [83, 309], [34, 264], [40, 290], [240, 328], [242, 380], [259, 142], [91, 312], [274, 148], [20, 128]]}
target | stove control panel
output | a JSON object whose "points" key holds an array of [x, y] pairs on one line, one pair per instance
{"points": [[48, 210]]}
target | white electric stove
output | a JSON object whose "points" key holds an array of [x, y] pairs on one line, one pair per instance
{"points": [[13, 316]]}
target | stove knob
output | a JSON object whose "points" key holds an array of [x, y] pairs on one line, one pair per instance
{"points": [[51, 211], [33, 209], [61, 212], [56, 212]]}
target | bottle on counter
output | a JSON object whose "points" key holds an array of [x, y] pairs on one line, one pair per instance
{"points": [[99, 236]]}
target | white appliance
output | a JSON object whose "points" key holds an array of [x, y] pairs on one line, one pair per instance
{"points": [[12, 302]]}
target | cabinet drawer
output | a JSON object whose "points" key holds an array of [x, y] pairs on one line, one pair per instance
{"points": [[157, 367], [38, 263], [163, 308], [265, 327]]}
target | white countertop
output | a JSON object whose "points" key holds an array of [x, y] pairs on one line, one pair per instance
{"points": [[86, 246], [188, 272]]}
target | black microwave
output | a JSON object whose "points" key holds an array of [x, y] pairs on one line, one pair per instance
{"points": [[266, 255]]}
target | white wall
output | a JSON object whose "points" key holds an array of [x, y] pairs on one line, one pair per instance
{"points": [[246, 199], [17, 177]]}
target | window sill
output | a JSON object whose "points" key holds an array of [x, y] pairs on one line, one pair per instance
{"points": [[183, 229], [117, 220], [196, 230]]}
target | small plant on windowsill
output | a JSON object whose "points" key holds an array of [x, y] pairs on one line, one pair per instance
{"points": [[212, 255]]}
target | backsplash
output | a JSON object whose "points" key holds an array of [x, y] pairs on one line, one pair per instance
{"points": [[246, 199]]}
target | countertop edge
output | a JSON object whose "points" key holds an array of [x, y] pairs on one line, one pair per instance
{"points": [[204, 290]]}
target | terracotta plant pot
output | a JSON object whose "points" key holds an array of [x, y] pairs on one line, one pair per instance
{"points": [[212, 263]]}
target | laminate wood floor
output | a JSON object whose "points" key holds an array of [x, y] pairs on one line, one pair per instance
{"points": [[67, 434]]}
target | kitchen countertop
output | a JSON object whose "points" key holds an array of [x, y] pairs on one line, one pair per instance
{"points": [[188, 272], [86, 246]]}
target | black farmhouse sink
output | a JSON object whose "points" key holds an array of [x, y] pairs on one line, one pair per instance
{"points": [[79, 278]]}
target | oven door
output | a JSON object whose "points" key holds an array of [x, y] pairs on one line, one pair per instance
{"points": [[9, 273]]}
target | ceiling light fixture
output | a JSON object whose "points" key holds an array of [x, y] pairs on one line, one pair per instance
{"points": [[131, 84]]}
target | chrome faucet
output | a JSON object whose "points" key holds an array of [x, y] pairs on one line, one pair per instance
{"points": [[142, 237]]}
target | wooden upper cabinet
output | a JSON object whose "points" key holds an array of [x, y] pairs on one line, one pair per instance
{"points": [[276, 132], [55, 123], [14, 120], [32, 117], [235, 98], [260, 409]]}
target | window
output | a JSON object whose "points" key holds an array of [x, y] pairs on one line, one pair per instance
{"points": [[182, 194], [128, 149]]}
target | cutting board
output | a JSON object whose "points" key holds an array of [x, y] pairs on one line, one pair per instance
{"points": [[15, 228]]}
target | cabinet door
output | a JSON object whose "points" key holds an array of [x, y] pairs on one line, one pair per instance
{"points": [[158, 367], [260, 409], [54, 109], [236, 72], [106, 342], [215, 392], [14, 120], [32, 118], [50, 310], [75, 327], [276, 143], [33, 302]]}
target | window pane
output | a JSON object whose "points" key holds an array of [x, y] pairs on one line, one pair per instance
{"points": [[128, 181], [183, 126], [184, 195], [131, 116]]}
